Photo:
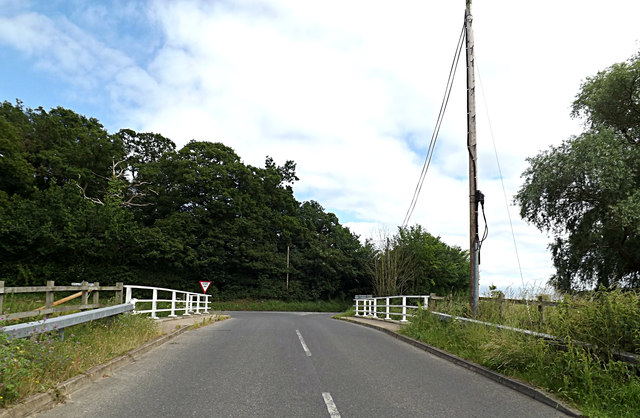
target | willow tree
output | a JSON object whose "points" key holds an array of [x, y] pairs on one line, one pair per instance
{"points": [[585, 193]]}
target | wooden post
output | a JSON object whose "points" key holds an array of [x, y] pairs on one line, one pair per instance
{"points": [[96, 294], [473, 165], [540, 310], [432, 301], [84, 287], [49, 295], [120, 286]]}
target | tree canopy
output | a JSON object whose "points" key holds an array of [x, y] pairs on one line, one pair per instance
{"points": [[78, 203], [415, 262], [586, 192]]}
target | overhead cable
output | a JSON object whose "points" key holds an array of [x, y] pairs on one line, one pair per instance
{"points": [[434, 136]]}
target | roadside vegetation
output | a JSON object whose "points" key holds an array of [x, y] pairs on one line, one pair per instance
{"points": [[587, 376], [279, 305], [38, 363]]}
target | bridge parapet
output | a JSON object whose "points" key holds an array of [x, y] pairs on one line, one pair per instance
{"points": [[388, 306], [167, 300]]}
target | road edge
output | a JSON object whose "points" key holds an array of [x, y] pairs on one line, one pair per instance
{"points": [[517, 385], [44, 401]]}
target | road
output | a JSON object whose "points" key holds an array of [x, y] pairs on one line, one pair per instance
{"points": [[294, 365]]}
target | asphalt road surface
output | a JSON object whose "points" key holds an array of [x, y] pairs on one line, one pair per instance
{"points": [[275, 364]]}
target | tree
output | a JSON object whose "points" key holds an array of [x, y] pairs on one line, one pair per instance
{"points": [[611, 99], [78, 203], [586, 192], [415, 261], [16, 174]]}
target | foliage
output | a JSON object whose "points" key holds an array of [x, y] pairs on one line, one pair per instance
{"points": [[35, 364], [78, 203], [609, 321], [586, 192], [414, 261], [611, 99], [585, 376]]}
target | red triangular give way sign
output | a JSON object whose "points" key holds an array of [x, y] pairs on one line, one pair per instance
{"points": [[204, 285]]}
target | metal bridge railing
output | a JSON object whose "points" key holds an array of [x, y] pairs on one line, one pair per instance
{"points": [[373, 307], [189, 303]]}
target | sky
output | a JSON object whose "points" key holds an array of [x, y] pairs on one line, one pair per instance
{"points": [[350, 90]]}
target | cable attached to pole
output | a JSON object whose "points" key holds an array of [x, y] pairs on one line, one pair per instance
{"points": [[436, 131]]}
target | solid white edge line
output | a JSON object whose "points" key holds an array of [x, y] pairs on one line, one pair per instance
{"points": [[304, 345], [331, 406]]}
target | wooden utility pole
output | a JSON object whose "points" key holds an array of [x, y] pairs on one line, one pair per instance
{"points": [[287, 267], [473, 164]]}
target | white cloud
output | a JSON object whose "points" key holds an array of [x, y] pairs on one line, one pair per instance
{"points": [[350, 91]]}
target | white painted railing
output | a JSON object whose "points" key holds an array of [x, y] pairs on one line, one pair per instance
{"points": [[373, 307], [188, 302]]}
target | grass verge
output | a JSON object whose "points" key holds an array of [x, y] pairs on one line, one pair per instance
{"points": [[36, 364], [584, 377]]}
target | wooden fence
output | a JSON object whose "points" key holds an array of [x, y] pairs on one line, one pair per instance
{"points": [[51, 305], [539, 303]]}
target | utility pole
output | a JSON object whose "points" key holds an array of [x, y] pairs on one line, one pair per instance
{"points": [[287, 267], [474, 251]]}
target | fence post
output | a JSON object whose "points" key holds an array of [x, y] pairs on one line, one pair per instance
{"points": [[96, 295], [127, 298], [404, 309], [154, 304], [432, 301], [119, 285], [187, 304], [387, 310], [84, 287], [206, 304], [540, 310], [1, 295], [197, 296], [49, 295], [375, 308], [173, 305]]}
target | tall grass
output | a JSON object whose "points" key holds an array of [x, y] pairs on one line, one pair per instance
{"points": [[584, 375], [35, 364]]}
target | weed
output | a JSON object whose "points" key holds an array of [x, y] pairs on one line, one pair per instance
{"points": [[35, 364], [585, 375]]}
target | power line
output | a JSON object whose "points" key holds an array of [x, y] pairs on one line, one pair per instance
{"points": [[434, 136], [504, 191]]}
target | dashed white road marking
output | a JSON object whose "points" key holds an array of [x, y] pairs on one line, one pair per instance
{"points": [[331, 406], [304, 345]]}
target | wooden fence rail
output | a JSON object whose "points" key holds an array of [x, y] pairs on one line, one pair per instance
{"points": [[50, 289], [539, 303]]}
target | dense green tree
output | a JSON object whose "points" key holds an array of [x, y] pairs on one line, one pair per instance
{"points": [[586, 192], [65, 147], [77, 203], [414, 261], [439, 268], [611, 99]]}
